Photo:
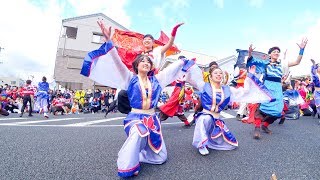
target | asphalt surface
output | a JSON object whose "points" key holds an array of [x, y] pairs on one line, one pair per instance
{"points": [[85, 146]]}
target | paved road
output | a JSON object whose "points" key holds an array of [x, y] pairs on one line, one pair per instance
{"points": [[85, 146]]}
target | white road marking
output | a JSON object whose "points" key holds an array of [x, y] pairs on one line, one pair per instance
{"points": [[118, 125], [95, 122], [172, 123], [8, 119], [81, 124], [74, 125], [223, 114], [226, 115], [38, 121]]}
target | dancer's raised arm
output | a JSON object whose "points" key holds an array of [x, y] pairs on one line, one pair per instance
{"points": [[105, 31], [166, 47], [302, 46]]}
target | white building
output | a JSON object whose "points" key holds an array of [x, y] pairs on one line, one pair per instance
{"points": [[12, 81], [78, 36]]}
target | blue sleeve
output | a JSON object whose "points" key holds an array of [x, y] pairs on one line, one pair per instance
{"points": [[260, 64], [314, 75]]}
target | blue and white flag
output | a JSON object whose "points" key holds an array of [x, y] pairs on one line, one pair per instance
{"points": [[105, 67]]}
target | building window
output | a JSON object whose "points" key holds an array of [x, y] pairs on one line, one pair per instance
{"points": [[69, 32], [97, 38], [13, 82]]}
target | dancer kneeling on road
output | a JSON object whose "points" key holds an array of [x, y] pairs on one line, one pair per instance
{"points": [[144, 141], [210, 131]]}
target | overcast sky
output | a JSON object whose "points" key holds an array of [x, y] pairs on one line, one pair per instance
{"points": [[30, 29]]}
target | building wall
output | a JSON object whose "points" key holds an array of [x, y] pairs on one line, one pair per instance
{"points": [[86, 27], [71, 52], [67, 70], [12, 81]]}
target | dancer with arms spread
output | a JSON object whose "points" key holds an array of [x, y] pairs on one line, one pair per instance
{"points": [[144, 141], [156, 54], [211, 131], [274, 71]]}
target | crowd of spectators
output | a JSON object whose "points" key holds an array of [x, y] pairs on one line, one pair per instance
{"points": [[60, 101]]}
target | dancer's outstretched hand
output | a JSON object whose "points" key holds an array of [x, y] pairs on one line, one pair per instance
{"points": [[105, 31], [175, 28], [250, 50], [252, 69], [303, 43]]}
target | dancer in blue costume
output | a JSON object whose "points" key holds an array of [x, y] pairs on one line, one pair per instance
{"points": [[156, 54], [144, 141], [210, 131], [43, 96], [292, 99], [274, 71], [315, 72]]}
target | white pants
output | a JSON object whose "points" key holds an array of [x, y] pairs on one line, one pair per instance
{"points": [[42, 103], [242, 109], [202, 135], [136, 149]]}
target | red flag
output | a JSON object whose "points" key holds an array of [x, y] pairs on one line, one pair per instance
{"points": [[130, 45], [128, 40], [163, 38]]}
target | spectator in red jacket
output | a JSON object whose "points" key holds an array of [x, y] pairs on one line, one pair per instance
{"points": [[27, 93], [59, 105]]}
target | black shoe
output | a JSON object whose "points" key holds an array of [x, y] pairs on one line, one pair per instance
{"points": [[192, 122], [162, 116], [238, 117], [256, 133], [21, 114], [266, 129], [282, 120], [106, 114], [30, 115]]}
